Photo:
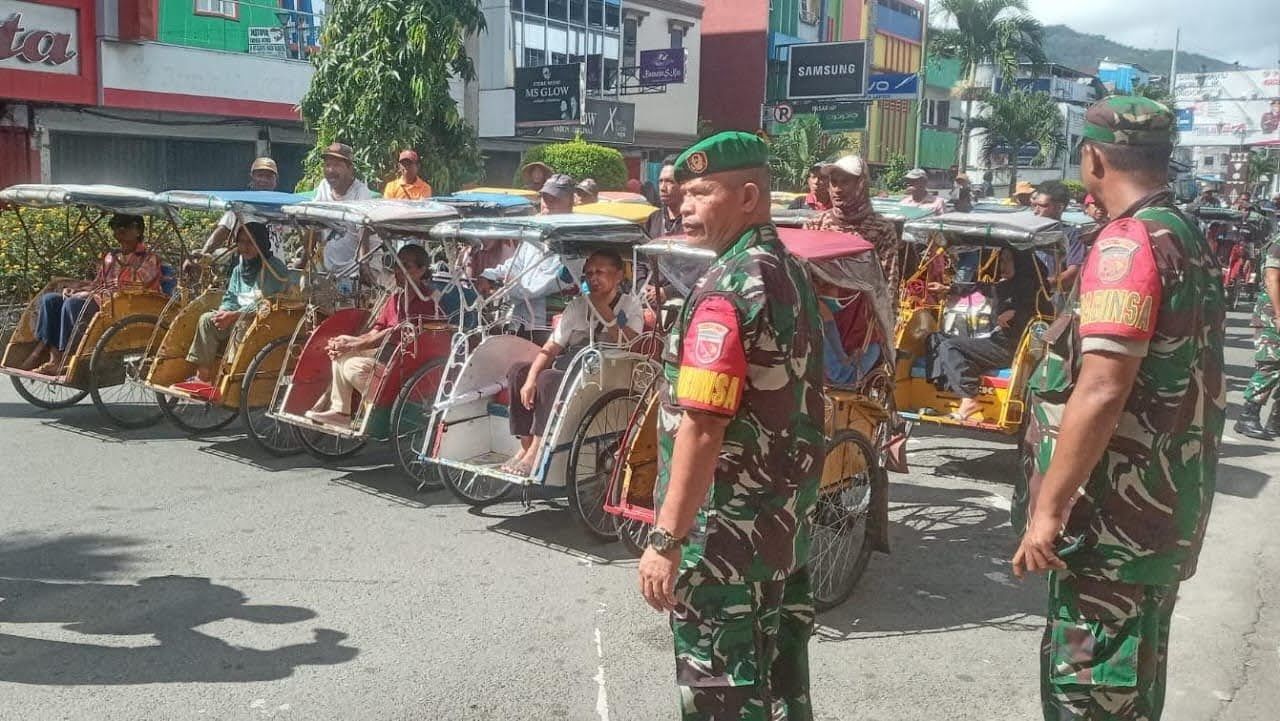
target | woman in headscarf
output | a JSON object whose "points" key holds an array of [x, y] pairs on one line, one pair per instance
{"points": [[257, 275], [852, 212]]}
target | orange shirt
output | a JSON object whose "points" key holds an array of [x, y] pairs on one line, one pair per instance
{"points": [[397, 189]]}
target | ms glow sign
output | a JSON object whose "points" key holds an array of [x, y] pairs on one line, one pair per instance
{"points": [[818, 71]]}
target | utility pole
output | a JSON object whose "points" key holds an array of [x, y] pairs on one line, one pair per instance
{"points": [[1173, 65], [924, 64]]}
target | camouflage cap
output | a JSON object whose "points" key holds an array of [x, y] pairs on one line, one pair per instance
{"points": [[720, 153], [1129, 120]]}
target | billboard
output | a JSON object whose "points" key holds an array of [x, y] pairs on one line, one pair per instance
{"points": [[659, 67], [819, 71], [1235, 108], [607, 121], [549, 95]]}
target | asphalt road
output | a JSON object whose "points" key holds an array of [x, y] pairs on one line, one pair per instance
{"points": [[144, 575]]}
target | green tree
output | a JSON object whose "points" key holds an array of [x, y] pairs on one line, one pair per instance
{"points": [[580, 160], [1263, 167], [893, 178], [1158, 93], [804, 143], [978, 32], [1014, 119], [382, 84]]}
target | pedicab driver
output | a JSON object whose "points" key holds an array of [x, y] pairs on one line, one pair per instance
{"points": [[740, 451], [1118, 518]]}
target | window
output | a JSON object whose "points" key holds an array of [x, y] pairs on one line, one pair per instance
{"points": [[937, 113], [595, 13], [677, 39], [558, 9], [1208, 161], [220, 8], [629, 31], [533, 57]]}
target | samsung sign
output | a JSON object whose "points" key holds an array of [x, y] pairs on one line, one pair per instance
{"points": [[827, 70]]}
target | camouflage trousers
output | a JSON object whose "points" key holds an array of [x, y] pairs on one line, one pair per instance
{"points": [[1266, 373], [1106, 649], [742, 649]]}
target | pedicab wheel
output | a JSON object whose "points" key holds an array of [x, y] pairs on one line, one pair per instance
{"points": [[278, 439], [473, 489], [633, 534], [409, 425], [49, 396], [329, 447], [592, 458], [841, 545], [116, 375], [196, 417]]}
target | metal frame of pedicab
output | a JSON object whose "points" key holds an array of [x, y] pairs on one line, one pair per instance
{"points": [[111, 342], [467, 433], [409, 361], [1002, 399], [1239, 221], [851, 518], [165, 362]]}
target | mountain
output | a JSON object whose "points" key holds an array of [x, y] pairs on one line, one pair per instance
{"points": [[1082, 51]]}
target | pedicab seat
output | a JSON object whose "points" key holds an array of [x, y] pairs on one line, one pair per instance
{"points": [[998, 380]]}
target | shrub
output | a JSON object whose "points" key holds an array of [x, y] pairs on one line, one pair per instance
{"points": [[580, 159], [1076, 188], [893, 177]]}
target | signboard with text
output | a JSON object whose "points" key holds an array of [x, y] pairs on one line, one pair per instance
{"points": [[893, 86], [660, 67], [48, 51], [606, 121], [268, 42], [841, 116], [818, 71], [549, 95]]}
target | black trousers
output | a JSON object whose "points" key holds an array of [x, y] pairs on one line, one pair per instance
{"points": [[525, 422], [964, 360]]}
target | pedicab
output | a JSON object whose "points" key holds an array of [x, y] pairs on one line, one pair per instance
{"points": [[620, 196], [199, 409], [529, 195], [467, 438], [850, 520], [472, 203], [1239, 237], [106, 346], [632, 212], [958, 260], [406, 366]]}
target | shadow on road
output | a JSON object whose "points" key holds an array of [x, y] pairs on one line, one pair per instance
{"points": [[948, 571], [150, 626], [550, 524]]}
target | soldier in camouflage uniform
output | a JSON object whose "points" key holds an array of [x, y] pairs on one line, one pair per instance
{"points": [[742, 385], [1266, 357], [1119, 518]]}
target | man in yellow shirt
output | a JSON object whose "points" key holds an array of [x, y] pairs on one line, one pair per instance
{"points": [[408, 186]]}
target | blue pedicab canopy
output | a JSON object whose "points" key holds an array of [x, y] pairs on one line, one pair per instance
{"points": [[263, 204], [1016, 231], [471, 204], [109, 198], [387, 217], [571, 234]]}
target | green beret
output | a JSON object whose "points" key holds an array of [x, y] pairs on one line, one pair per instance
{"points": [[1129, 120], [722, 152]]}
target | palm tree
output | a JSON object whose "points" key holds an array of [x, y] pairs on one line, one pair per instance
{"points": [[1015, 119], [995, 32], [796, 150], [1262, 165]]}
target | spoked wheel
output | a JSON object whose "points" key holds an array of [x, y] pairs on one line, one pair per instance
{"points": [[116, 370], [256, 393], [591, 460], [329, 447], [409, 425], [473, 489], [841, 542], [196, 417], [49, 396], [634, 535]]}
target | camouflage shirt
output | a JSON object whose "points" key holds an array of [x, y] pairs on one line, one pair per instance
{"points": [[749, 346], [1263, 314], [1151, 287]]}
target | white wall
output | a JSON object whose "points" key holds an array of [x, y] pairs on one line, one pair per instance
{"points": [[676, 111], [161, 68]]}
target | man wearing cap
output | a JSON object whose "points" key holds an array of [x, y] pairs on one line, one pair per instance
{"points": [[918, 195], [535, 175], [586, 192], [263, 175], [852, 212], [340, 184], [819, 197], [1126, 417], [961, 195], [1022, 195], [740, 451], [409, 185]]}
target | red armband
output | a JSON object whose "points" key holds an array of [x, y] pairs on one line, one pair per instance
{"points": [[1120, 286], [713, 365]]}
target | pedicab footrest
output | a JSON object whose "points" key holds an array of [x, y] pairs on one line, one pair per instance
{"points": [[499, 410], [488, 470]]}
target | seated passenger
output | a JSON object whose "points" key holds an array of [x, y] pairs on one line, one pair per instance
{"points": [[961, 361], [848, 352], [131, 264], [354, 356], [605, 312], [257, 274]]}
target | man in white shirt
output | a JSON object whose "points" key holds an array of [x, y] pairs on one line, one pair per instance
{"points": [[341, 250], [534, 285], [604, 315]]}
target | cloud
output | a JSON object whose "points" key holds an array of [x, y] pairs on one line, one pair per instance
{"points": [[1244, 31]]}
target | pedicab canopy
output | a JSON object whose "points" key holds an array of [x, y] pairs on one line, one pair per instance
{"points": [[621, 196], [470, 203], [109, 198], [632, 212], [1214, 213], [899, 214], [391, 217], [260, 203], [571, 234], [1016, 231]]}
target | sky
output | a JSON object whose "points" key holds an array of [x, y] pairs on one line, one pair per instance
{"points": [[1247, 31]]}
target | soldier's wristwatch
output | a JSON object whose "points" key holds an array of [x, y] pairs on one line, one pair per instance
{"points": [[661, 540]]}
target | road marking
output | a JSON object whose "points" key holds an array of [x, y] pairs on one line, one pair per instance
{"points": [[602, 695]]}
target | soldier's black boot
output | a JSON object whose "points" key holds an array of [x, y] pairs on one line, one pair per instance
{"points": [[1273, 420], [1248, 423]]}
